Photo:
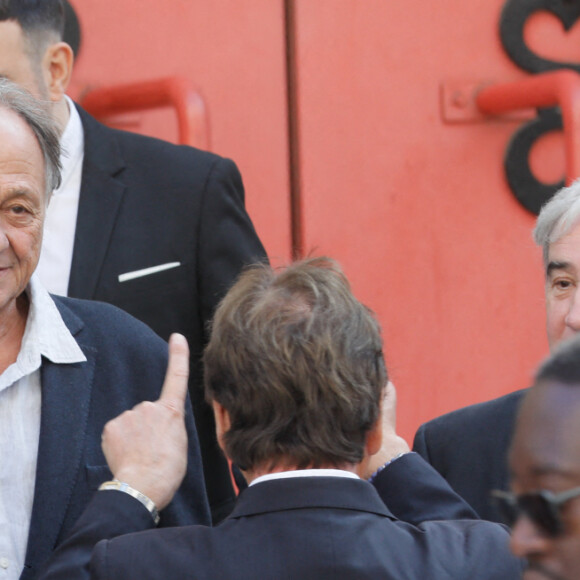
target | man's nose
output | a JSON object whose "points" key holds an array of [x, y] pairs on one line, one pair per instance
{"points": [[4, 241], [573, 315], [527, 540]]}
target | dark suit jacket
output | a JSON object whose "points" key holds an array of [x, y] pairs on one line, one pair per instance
{"points": [[125, 365], [468, 447], [301, 528], [143, 203]]}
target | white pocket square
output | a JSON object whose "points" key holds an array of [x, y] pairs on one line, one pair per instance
{"points": [[148, 271]]}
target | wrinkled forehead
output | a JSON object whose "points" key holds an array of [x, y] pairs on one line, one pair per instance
{"points": [[547, 433]]}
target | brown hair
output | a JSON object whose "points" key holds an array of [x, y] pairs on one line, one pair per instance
{"points": [[297, 362]]}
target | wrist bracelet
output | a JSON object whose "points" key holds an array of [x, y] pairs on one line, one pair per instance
{"points": [[370, 479], [141, 497]]}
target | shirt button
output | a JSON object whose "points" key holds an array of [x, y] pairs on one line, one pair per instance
{"points": [[4, 563]]}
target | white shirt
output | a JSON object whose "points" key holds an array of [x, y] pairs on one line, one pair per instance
{"points": [[305, 473], [20, 398], [61, 216]]}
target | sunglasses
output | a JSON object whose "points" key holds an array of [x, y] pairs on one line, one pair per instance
{"points": [[541, 507]]}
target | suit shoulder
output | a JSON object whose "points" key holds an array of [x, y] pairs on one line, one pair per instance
{"points": [[145, 150], [136, 143], [498, 410], [106, 324]]}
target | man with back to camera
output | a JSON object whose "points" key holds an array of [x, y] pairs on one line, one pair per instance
{"points": [[469, 446], [544, 460], [66, 366], [155, 229], [295, 373]]}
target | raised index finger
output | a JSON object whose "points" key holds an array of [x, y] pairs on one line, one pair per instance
{"points": [[174, 389]]}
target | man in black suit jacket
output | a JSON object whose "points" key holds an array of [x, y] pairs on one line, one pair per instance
{"points": [[161, 231], [295, 372], [469, 446]]}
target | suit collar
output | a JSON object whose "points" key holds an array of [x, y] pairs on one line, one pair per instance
{"points": [[310, 492], [66, 395], [102, 191]]}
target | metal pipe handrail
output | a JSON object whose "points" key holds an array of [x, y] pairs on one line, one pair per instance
{"points": [[174, 92], [558, 88]]}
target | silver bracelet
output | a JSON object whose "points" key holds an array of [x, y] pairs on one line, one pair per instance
{"points": [[141, 497], [370, 479]]}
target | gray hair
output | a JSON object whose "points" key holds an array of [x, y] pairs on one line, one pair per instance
{"points": [[37, 116], [558, 217]]}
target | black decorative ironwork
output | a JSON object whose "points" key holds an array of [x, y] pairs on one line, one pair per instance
{"points": [[514, 15], [530, 192]]}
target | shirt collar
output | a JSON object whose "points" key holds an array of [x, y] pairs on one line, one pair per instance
{"points": [[72, 144], [45, 334], [305, 473]]}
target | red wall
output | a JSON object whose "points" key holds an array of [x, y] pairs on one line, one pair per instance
{"points": [[415, 208]]}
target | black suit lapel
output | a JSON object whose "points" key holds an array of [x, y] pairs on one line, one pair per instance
{"points": [[100, 199], [66, 395]]}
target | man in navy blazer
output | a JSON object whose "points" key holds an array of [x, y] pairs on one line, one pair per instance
{"points": [[469, 446], [67, 366], [295, 372], [158, 230]]}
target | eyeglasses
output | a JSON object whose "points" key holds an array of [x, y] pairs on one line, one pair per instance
{"points": [[541, 507]]}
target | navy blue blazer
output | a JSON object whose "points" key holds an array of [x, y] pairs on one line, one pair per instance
{"points": [[469, 448], [321, 528], [125, 365], [145, 203]]}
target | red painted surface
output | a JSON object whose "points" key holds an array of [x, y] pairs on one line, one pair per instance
{"points": [[413, 204]]}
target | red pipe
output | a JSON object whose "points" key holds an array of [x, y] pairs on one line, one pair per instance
{"points": [[549, 89], [175, 92]]}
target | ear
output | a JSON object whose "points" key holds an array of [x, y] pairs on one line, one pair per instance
{"points": [[57, 65], [222, 423], [375, 435]]}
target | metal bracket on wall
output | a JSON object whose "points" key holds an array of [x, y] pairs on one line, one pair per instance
{"points": [[459, 104]]}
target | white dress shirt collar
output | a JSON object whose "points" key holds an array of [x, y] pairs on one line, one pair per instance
{"points": [[72, 144], [45, 335], [305, 473]]}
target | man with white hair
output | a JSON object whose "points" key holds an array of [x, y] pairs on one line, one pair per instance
{"points": [[469, 446]]}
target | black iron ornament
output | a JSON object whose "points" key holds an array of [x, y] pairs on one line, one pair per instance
{"points": [[514, 15], [530, 192]]}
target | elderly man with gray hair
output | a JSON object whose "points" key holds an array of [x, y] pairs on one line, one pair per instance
{"points": [[469, 446], [66, 366]]}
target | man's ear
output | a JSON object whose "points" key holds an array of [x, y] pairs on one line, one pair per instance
{"points": [[222, 423], [57, 65], [375, 435]]}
